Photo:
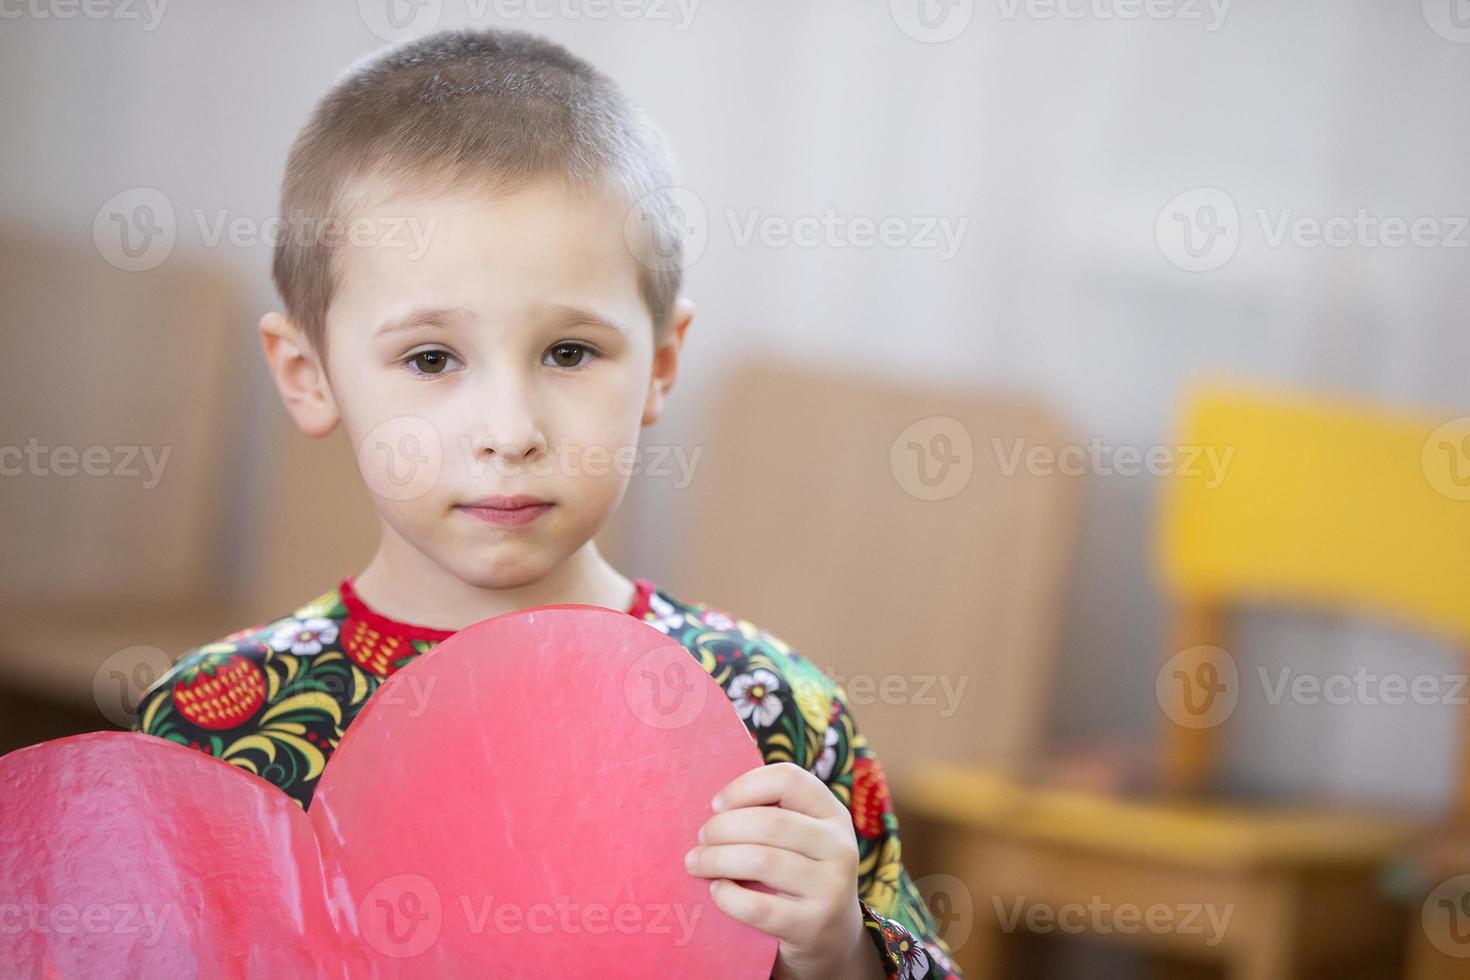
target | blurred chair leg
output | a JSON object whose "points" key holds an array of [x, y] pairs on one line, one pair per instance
{"points": [[1181, 970], [988, 951], [1272, 951], [1271, 959], [1428, 963], [987, 954]]}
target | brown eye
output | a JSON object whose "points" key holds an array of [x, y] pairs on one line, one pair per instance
{"points": [[430, 361], [561, 354]]}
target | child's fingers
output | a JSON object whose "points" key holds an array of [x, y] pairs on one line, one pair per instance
{"points": [[774, 915], [785, 871], [772, 825], [782, 784]]}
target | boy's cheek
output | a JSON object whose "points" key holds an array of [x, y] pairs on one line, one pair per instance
{"points": [[402, 459]]}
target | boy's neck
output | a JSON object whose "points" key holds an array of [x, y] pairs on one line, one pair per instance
{"points": [[403, 585]]}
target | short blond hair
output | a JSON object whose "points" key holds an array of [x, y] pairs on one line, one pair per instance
{"points": [[486, 108]]}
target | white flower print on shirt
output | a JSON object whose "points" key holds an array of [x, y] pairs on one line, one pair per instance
{"points": [[916, 962], [828, 759], [666, 619], [718, 620], [754, 695], [303, 636]]}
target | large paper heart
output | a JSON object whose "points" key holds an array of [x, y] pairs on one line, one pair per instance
{"points": [[514, 803]]}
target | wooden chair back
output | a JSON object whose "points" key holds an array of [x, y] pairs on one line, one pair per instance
{"points": [[115, 393], [895, 535]]}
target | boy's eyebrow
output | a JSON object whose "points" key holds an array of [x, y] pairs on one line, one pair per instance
{"points": [[440, 316], [556, 315], [565, 317]]}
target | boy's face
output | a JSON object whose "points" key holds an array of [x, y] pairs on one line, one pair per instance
{"points": [[501, 349]]}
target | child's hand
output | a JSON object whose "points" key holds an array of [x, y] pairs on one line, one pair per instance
{"points": [[781, 826]]}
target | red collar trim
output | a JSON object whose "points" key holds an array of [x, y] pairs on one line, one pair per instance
{"points": [[360, 610], [639, 609]]}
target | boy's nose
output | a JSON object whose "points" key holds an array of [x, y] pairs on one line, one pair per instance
{"points": [[509, 433], [510, 426], [511, 444]]}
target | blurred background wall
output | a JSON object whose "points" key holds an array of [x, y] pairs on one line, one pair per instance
{"points": [[1054, 142]]}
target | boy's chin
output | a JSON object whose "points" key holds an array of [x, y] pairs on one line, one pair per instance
{"points": [[526, 566]]}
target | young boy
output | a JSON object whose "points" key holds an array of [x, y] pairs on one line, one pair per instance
{"points": [[481, 280]]}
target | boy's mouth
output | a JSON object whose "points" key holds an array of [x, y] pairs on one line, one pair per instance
{"points": [[514, 511]]}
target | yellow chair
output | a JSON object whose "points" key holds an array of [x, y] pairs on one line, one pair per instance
{"points": [[1324, 505]]}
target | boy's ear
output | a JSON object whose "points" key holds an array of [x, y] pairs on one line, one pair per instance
{"points": [[666, 360], [299, 375]]}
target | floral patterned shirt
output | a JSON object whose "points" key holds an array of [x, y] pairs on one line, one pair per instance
{"points": [[276, 698]]}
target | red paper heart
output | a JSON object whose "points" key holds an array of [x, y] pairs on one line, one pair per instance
{"points": [[515, 803]]}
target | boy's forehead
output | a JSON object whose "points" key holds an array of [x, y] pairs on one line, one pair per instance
{"points": [[511, 250]]}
